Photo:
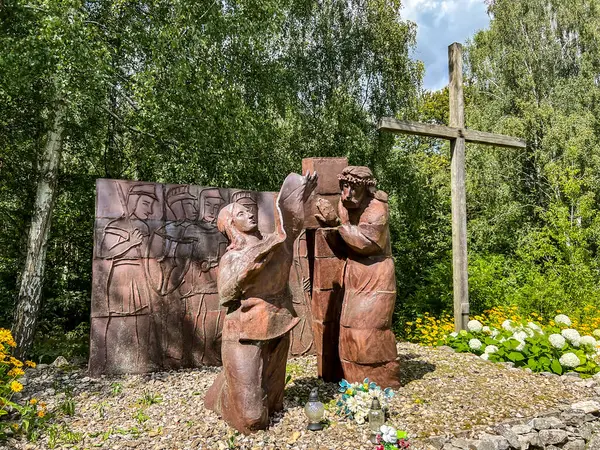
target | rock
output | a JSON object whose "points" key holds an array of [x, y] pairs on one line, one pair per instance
{"points": [[85, 380], [61, 361], [492, 442], [23, 381], [509, 435], [465, 444], [447, 446], [594, 443], [545, 423], [553, 437], [589, 406], [548, 374], [573, 418], [530, 440], [577, 444], [508, 364], [437, 442], [572, 375], [586, 431], [522, 429], [41, 366]]}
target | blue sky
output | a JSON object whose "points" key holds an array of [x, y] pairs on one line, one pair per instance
{"points": [[439, 24]]}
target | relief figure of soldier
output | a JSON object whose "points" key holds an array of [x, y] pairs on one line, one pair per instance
{"points": [[186, 272], [125, 243], [253, 286]]}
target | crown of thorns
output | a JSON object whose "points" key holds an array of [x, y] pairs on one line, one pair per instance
{"points": [[357, 175]]}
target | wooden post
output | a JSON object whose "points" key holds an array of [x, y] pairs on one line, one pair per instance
{"points": [[459, 200]]}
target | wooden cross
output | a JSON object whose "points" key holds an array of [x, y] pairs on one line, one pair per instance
{"points": [[458, 135]]}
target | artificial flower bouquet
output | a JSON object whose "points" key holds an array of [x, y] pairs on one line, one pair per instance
{"points": [[356, 398], [391, 439]]}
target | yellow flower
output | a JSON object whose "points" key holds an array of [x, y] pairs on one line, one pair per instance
{"points": [[30, 364], [15, 372], [16, 386], [41, 413], [15, 362], [33, 401]]}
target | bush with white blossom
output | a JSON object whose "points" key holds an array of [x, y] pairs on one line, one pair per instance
{"points": [[562, 320], [552, 348]]}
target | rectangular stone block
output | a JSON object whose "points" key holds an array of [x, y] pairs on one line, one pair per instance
{"points": [[327, 305], [326, 339], [328, 273], [310, 208], [328, 169], [329, 244]]}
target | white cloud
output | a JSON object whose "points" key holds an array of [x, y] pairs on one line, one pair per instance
{"points": [[439, 24]]}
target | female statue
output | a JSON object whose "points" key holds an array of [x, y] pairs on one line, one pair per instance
{"points": [[253, 284]]}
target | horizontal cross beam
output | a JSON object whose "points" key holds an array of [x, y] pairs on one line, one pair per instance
{"points": [[444, 132]]}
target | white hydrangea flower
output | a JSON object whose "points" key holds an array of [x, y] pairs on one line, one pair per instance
{"points": [[557, 341], [570, 360], [495, 333], [485, 356], [535, 327], [588, 341], [475, 344], [491, 349], [520, 336], [562, 320], [474, 326], [571, 335], [507, 325], [486, 330], [454, 334], [528, 331], [596, 333]]}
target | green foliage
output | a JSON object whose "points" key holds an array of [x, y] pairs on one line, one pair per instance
{"points": [[227, 94], [528, 346]]}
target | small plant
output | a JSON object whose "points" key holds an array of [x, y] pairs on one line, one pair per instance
{"points": [[150, 398], [62, 435], [116, 388], [141, 417], [67, 407], [101, 408], [231, 440]]}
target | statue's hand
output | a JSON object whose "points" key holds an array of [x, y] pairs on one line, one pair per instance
{"points": [[327, 215], [310, 183]]}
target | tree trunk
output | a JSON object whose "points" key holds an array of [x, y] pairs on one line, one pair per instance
{"points": [[30, 292]]}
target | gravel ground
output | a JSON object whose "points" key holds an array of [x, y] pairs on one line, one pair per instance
{"points": [[443, 393]]}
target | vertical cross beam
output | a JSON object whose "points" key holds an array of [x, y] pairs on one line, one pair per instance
{"points": [[459, 198]]}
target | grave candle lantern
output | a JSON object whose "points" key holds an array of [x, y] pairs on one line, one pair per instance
{"points": [[314, 410]]}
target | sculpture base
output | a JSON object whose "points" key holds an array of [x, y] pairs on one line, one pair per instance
{"points": [[314, 427]]}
